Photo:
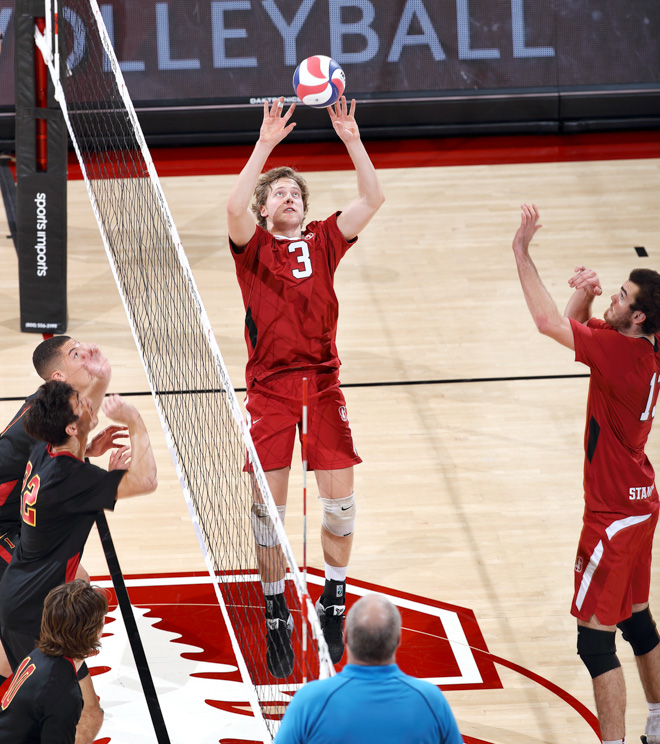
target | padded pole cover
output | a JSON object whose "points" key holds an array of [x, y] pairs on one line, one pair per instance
{"points": [[41, 184]]}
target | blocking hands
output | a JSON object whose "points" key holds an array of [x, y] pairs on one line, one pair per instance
{"points": [[93, 360], [119, 410], [120, 458], [105, 440]]}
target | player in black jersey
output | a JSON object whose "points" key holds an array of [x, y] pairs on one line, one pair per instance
{"points": [[61, 497], [43, 702], [85, 368]]}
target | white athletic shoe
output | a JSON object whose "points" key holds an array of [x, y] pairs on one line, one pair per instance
{"points": [[652, 730]]}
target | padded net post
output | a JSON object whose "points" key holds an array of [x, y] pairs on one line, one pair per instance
{"points": [[41, 167]]}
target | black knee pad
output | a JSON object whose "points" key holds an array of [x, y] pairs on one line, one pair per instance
{"points": [[597, 649], [640, 632]]}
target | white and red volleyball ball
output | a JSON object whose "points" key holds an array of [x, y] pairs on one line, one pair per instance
{"points": [[319, 81]]}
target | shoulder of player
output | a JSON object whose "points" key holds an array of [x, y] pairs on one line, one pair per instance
{"points": [[14, 428], [59, 680], [320, 228]]}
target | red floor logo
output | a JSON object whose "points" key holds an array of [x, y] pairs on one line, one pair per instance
{"points": [[197, 675]]}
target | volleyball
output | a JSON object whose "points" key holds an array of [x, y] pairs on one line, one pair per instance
{"points": [[319, 81]]}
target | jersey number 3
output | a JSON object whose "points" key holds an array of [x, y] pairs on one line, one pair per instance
{"points": [[303, 259], [29, 498]]}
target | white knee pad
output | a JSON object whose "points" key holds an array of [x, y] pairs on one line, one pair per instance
{"points": [[262, 525], [339, 515]]}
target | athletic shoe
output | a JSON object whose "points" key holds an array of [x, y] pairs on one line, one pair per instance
{"points": [[652, 730], [644, 739], [279, 652], [332, 625]]}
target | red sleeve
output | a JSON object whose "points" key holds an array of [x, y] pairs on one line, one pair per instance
{"points": [[242, 254], [337, 245], [597, 344]]}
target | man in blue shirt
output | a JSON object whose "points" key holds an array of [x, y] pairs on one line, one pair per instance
{"points": [[371, 699]]}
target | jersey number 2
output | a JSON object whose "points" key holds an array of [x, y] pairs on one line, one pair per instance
{"points": [[303, 259], [29, 499]]}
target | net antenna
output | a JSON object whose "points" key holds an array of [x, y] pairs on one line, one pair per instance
{"points": [[204, 427]]}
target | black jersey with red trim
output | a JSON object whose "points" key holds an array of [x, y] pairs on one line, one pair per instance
{"points": [[61, 499], [15, 446], [43, 702]]}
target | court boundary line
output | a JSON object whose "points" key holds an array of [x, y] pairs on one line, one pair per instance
{"points": [[383, 383]]}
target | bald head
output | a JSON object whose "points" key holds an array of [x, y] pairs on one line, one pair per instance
{"points": [[373, 631]]}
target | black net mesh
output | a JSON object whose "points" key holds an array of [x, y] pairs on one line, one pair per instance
{"points": [[194, 397]]}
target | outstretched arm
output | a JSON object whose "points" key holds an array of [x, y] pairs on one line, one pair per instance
{"points": [[370, 197], [141, 474], [274, 128], [587, 286], [543, 308]]}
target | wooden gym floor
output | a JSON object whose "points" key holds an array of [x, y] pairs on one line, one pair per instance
{"points": [[469, 423]]}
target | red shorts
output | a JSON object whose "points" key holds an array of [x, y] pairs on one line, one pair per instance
{"points": [[613, 566], [274, 409]]}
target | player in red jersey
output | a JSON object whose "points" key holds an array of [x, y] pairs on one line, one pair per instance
{"points": [[285, 270], [61, 497], [613, 565], [43, 702]]}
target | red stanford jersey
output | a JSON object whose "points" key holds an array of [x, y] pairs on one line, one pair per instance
{"points": [[291, 309], [623, 391]]}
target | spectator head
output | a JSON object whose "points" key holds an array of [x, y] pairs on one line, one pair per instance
{"points": [[373, 631]]}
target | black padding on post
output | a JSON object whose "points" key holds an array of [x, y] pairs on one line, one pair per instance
{"points": [[41, 218]]}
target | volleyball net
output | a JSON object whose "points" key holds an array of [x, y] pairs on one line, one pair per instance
{"points": [[202, 421]]}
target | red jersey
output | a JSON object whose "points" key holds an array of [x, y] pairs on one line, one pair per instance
{"points": [[291, 309], [623, 390]]}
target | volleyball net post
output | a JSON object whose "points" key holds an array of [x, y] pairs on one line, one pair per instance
{"points": [[41, 173]]}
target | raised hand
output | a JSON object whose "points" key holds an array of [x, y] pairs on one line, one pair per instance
{"points": [[93, 360], [105, 440], [119, 410], [120, 458], [529, 219], [586, 279], [343, 120], [275, 125]]}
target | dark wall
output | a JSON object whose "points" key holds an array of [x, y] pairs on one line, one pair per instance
{"points": [[199, 70]]}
